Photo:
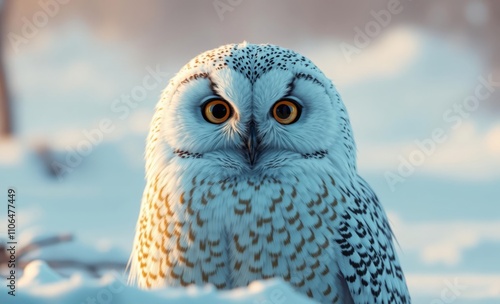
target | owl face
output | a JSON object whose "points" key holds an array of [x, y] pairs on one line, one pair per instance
{"points": [[254, 109]]}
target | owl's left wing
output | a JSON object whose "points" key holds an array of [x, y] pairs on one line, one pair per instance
{"points": [[366, 255]]}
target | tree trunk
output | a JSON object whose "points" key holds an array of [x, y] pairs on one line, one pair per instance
{"points": [[5, 107]]}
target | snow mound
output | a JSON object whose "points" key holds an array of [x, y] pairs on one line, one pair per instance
{"points": [[40, 284]]}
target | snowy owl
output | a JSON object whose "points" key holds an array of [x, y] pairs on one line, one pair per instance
{"points": [[251, 174]]}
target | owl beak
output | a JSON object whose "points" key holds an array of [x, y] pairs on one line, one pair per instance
{"points": [[251, 143]]}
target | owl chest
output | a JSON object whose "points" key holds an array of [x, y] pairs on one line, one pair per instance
{"points": [[233, 234], [285, 248]]}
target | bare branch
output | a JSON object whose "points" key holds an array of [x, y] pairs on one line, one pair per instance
{"points": [[53, 240]]}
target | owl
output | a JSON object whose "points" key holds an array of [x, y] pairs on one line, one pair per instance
{"points": [[251, 174]]}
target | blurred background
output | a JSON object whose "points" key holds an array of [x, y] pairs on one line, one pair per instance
{"points": [[421, 79]]}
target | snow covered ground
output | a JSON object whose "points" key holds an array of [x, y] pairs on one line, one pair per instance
{"points": [[41, 285]]}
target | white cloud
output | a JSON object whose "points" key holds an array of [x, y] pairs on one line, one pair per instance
{"points": [[446, 288], [467, 153], [443, 242], [385, 56]]}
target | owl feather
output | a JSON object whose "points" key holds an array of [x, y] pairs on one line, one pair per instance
{"points": [[251, 174]]}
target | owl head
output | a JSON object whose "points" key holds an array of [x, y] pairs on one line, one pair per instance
{"points": [[247, 109]]}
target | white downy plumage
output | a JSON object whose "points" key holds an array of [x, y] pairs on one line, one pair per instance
{"points": [[251, 174]]}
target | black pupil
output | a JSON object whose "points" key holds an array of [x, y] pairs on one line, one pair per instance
{"points": [[219, 111], [283, 111]]}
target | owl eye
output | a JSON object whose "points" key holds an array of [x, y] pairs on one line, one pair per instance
{"points": [[216, 111], [286, 111]]}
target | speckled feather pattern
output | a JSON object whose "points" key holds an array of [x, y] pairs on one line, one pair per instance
{"points": [[301, 212]]}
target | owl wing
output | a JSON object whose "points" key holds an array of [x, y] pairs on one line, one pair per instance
{"points": [[366, 256]]}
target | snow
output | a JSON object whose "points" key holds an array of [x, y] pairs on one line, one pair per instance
{"points": [[40, 284]]}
